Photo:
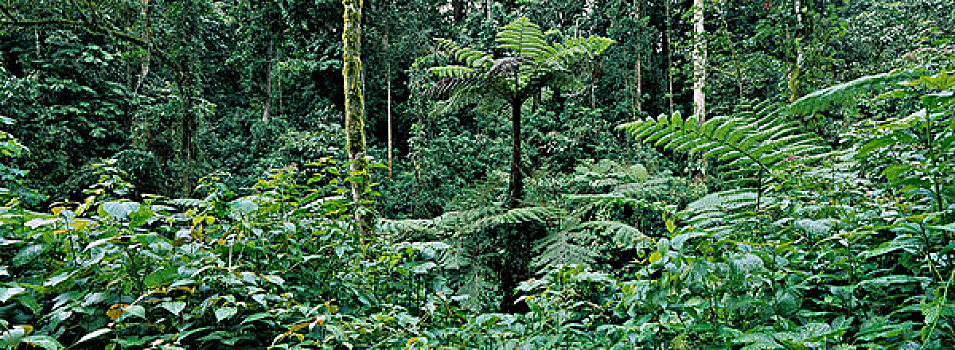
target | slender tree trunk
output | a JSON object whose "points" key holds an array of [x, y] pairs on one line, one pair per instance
{"points": [[185, 149], [734, 56], [388, 79], [355, 106], [668, 48], [144, 66], [699, 62], [267, 106], [516, 186], [140, 135], [457, 9], [638, 69], [796, 70]]}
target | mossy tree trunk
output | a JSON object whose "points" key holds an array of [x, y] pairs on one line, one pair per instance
{"points": [[355, 107]]}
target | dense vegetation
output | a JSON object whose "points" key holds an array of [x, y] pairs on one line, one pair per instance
{"points": [[538, 174]]}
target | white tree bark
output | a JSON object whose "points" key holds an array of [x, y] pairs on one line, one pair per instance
{"points": [[699, 62]]}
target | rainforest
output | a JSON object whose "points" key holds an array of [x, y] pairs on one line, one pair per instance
{"points": [[477, 174]]}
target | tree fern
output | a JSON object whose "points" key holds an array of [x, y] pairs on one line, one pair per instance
{"points": [[528, 65]]}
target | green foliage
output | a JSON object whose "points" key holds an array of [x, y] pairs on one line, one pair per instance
{"points": [[844, 94], [532, 64], [825, 224], [748, 147]]}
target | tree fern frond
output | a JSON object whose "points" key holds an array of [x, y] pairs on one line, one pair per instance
{"points": [[445, 88], [559, 249], [623, 235], [716, 211], [565, 55], [523, 37], [455, 97], [400, 227], [452, 71], [844, 93], [468, 56], [519, 215], [746, 145]]}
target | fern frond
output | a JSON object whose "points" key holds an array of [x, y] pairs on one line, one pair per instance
{"points": [[401, 228], [845, 93], [573, 50], [504, 67], [746, 146], [452, 71], [446, 88], [721, 213], [623, 235], [519, 215], [523, 37], [560, 248], [470, 57]]}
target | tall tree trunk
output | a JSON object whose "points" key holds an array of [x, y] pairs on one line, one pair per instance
{"points": [[638, 69], [734, 54], [699, 62], [457, 10], [144, 66], [355, 106], [796, 69], [668, 51], [516, 186], [185, 154], [140, 135], [267, 106], [388, 79]]}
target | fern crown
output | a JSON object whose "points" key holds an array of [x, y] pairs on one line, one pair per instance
{"points": [[528, 63]]}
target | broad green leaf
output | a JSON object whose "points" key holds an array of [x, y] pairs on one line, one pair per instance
{"points": [[175, 307], [225, 312], [7, 293], [93, 335], [160, 277], [140, 216], [133, 310], [119, 210], [274, 279], [52, 282], [43, 341], [28, 254]]}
